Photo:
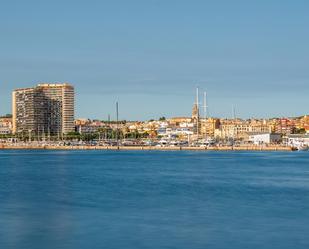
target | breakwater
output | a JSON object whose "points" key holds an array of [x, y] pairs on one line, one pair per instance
{"points": [[149, 148]]}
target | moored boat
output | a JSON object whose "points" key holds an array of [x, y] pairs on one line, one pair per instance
{"points": [[303, 147]]}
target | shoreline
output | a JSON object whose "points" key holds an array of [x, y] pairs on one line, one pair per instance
{"points": [[147, 148]]}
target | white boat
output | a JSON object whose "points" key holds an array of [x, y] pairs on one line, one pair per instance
{"points": [[162, 143], [303, 147]]}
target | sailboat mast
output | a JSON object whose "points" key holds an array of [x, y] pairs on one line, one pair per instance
{"points": [[198, 112], [117, 117], [205, 114], [234, 122]]}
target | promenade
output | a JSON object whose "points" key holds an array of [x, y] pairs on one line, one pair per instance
{"points": [[148, 148]]}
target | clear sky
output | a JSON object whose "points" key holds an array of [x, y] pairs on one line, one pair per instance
{"points": [[151, 54]]}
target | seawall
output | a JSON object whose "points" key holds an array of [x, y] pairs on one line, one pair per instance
{"points": [[149, 148]]}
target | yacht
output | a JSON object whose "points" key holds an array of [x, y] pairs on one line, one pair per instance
{"points": [[303, 147]]}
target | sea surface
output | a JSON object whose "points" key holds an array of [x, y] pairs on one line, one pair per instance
{"points": [[157, 199]]}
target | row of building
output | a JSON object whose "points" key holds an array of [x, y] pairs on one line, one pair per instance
{"points": [[210, 127], [48, 109]]}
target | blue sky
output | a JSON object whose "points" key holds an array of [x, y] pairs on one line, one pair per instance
{"points": [[151, 54]]}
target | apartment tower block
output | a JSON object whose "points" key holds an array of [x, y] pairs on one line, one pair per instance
{"points": [[44, 109]]}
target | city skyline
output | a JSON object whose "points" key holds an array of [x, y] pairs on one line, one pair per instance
{"points": [[201, 107], [150, 56]]}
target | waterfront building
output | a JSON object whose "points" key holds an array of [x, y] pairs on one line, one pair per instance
{"points": [[44, 109], [175, 121], [87, 126], [303, 123], [208, 126], [239, 129], [87, 129], [265, 138], [5, 125], [283, 125], [297, 139], [82, 121]]}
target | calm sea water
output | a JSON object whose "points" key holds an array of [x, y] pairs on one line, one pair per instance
{"points": [[137, 199]]}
